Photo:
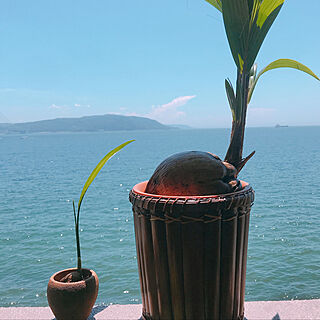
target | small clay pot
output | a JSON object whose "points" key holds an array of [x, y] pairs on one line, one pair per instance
{"points": [[74, 300]]}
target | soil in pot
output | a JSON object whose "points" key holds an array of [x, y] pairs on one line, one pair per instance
{"points": [[75, 276]]}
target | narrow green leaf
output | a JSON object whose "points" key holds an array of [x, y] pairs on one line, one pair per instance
{"points": [[266, 8], [236, 21], [250, 5], [96, 170], [288, 63], [254, 12], [216, 4], [257, 34], [74, 212], [281, 63], [231, 98]]}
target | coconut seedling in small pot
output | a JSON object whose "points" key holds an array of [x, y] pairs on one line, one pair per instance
{"points": [[192, 216], [72, 292]]}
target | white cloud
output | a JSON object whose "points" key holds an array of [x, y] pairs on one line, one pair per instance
{"points": [[77, 105], [115, 113], [168, 112], [54, 106]]}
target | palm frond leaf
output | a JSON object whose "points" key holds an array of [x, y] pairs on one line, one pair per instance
{"points": [[236, 21], [216, 3], [262, 18], [250, 5], [281, 63], [265, 10], [96, 170], [231, 98], [247, 23], [288, 63]]}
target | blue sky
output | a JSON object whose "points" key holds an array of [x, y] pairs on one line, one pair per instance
{"points": [[166, 60]]}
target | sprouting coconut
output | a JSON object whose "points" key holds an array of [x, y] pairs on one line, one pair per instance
{"points": [[199, 173], [192, 254], [193, 173]]}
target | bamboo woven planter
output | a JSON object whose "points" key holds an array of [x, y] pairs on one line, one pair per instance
{"points": [[192, 253]]}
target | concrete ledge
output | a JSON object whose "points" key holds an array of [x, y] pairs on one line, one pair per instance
{"points": [[283, 310], [259, 310]]}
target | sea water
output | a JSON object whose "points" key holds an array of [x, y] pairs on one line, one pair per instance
{"points": [[41, 174]]}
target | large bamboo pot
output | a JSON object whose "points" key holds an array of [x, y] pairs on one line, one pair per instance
{"points": [[192, 253]]}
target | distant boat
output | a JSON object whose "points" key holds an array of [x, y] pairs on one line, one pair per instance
{"points": [[279, 126]]}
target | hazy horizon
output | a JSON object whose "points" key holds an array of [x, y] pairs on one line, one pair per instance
{"points": [[174, 124]]}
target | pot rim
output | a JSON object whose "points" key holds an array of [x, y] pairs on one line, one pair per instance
{"points": [[139, 188], [52, 278]]}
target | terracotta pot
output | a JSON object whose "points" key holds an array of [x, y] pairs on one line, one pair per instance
{"points": [[75, 300], [192, 253]]}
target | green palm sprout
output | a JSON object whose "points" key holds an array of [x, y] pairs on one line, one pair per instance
{"points": [[247, 23], [92, 176]]}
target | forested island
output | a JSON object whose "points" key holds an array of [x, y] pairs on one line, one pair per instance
{"points": [[108, 122]]}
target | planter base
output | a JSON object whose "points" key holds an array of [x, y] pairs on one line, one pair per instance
{"points": [[192, 253], [145, 317]]}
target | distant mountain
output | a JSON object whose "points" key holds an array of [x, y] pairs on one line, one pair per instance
{"points": [[108, 122]]}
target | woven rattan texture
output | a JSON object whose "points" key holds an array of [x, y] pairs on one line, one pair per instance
{"points": [[196, 209]]}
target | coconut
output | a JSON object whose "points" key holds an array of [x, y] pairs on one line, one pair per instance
{"points": [[193, 173]]}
